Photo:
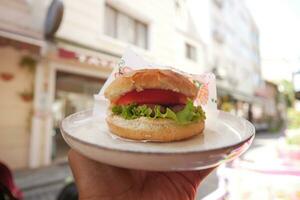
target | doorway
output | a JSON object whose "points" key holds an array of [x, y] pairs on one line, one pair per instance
{"points": [[73, 93]]}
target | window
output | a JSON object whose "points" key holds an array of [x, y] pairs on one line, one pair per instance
{"points": [[110, 19], [218, 3], [190, 52], [218, 37], [141, 31], [125, 28]]}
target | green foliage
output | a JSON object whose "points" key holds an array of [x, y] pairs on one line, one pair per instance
{"points": [[288, 92], [275, 124], [293, 139], [293, 119], [28, 62]]}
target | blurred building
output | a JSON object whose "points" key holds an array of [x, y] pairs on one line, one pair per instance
{"points": [[270, 114], [235, 46], [235, 56], [68, 66], [52, 66]]}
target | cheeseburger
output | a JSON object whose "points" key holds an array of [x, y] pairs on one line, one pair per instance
{"points": [[154, 105]]}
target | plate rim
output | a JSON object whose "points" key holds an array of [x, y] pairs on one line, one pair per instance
{"points": [[102, 147]]}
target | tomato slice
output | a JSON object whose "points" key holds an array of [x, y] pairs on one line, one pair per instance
{"points": [[152, 96]]}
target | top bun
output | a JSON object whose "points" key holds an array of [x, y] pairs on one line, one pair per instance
{"points": [[151, 79]]}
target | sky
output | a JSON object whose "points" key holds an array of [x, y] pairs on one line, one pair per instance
{"points": [[279, 25]]}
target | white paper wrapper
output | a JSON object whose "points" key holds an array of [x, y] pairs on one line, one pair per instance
{"points": [[207, 94]]}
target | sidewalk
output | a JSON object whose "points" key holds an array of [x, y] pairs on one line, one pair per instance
{"points": [[43, 183], [210, 184]]}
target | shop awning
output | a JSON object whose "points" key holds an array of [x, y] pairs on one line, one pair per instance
{"points": [[21, 42], [243, 97], [222, 91], [86, 57]]}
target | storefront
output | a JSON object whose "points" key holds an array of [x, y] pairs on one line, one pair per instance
{"points": [[234, 102], [73, 93], [262, 110], [273, 105], [67, 78]]}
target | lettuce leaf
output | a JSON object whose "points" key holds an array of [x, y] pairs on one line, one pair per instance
{"points": [[188, 114]]}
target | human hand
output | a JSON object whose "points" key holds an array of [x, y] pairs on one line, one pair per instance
{"points": [[96, 181]]}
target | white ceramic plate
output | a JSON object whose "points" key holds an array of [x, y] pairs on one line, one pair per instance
{"points": [[223, 140]]}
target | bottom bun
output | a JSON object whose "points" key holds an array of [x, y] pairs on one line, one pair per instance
{"points": [[159, 130]]}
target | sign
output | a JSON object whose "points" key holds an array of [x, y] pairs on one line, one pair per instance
{"points": [[84, 58]]}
